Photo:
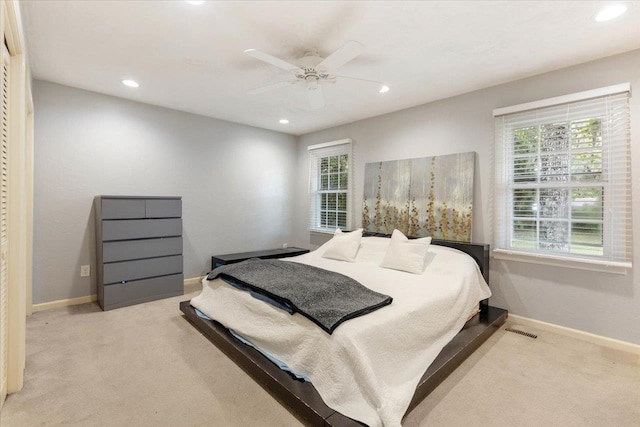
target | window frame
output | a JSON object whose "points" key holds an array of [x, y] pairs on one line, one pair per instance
{"points": [[506, 185], [316, 154]]}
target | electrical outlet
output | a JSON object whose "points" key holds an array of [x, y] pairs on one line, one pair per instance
{"points": [[284, 246], [85, 270]]}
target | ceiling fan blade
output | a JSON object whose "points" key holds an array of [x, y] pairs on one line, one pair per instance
{"points": [[267, 88], [316, 97], [359, 79], [346, 53], [382, 88], [271, 60]]}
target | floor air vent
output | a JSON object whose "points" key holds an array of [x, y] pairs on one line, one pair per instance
{"points": [[526, 334]]}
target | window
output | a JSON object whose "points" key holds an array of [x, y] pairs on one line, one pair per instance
{"points": [[330, 185], [563, 175]]}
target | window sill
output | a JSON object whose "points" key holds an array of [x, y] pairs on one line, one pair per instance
{"points": [[322, 231], [560, 261]]}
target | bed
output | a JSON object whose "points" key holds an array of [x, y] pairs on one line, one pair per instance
{"points": [[355, 368]]}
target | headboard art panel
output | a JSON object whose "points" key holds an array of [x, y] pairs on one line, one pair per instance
{"points": [[427, 196]]}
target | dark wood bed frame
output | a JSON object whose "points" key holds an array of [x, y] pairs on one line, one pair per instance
{"points": [[302, 399]]}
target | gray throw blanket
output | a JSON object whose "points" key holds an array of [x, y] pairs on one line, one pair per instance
{"points": [[324, 297]]}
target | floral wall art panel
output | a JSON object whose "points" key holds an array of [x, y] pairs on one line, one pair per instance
{"points": [[428, 196]]}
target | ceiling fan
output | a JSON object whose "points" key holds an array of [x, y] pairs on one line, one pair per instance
{"points": [[313, 70]]}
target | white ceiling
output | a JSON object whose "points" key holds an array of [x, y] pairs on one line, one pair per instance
{"points": [[191, 58]]}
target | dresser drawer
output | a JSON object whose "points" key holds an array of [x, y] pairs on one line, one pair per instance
{"points": [[141, 269], [141, 228], [136, 249], [123, 208], [163, 208], [123, 294]]}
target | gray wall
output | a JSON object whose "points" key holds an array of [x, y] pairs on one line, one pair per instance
{"points": [[600, 303], [235, 181]]}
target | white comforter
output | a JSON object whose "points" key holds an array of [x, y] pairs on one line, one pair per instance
{"points": [[369, 367]]}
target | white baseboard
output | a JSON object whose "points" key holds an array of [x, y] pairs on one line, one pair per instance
{"points": [[190, 285], [575, 333], [193, 284], [63, 303]]}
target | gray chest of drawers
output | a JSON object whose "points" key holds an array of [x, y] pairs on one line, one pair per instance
{"points": [[139, 249]]}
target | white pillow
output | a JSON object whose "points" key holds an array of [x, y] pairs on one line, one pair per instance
{"points": [[406, 255], [344, 246], [373, 249]]}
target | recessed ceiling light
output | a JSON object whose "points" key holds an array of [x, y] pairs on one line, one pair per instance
{"points": [[384, 89], [611, 12], [284, 121], [196, 2], [130, 83]]}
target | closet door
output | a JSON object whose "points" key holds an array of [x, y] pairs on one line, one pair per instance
{"points": [[4, 241]]}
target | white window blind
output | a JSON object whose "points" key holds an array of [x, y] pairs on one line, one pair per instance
{"points": [[330, 183], [563, 181]]}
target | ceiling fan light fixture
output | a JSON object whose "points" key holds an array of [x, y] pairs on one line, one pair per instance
{"points": [[284, 121], [130, 83], [384, 89], [611, 12]]}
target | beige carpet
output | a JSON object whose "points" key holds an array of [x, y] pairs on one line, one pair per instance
{"points": [[147, 366]]}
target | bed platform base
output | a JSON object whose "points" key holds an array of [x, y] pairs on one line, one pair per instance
{"points": [[302, 399]]}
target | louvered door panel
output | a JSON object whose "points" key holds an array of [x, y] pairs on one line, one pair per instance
{"points": [[4, 240]]}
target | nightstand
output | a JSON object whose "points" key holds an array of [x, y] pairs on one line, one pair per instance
{"points": [[218, 260]]}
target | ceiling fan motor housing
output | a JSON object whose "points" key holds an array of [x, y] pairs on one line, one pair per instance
{"points": [[308, 71]]}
